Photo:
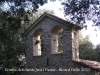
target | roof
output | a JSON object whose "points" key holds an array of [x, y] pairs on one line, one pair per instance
{"points": [[92, 64], [50, 16]]}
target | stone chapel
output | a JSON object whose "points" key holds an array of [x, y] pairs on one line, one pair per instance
{"points": [[43, 56]]}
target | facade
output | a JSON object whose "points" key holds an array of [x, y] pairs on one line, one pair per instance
{"points": [[43, 56]]}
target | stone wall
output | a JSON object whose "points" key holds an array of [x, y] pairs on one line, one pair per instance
{"points": [[51, 62]]}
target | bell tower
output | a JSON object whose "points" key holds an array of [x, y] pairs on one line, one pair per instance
{"points": [[51, 57]]}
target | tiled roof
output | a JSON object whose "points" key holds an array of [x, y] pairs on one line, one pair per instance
{"points": [[88, 63]]}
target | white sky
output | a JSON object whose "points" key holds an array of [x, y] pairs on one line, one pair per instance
{"points": [[93, 35]]}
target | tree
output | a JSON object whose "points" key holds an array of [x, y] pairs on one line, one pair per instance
{"points": [[33, 18], [86, 49], [98, 47], [12, 45], [11, 42], [17, 7], [15, 10], [39, 13], [98, 51], [80, 11]]}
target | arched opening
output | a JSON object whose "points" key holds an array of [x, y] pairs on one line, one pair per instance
{"points": [[75, 45], [37, 42], [56, 40]]}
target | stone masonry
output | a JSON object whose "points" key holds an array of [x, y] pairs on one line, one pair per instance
{"points": [[50, 61]]}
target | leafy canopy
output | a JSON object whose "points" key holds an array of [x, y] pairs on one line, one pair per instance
{"points": [[11, 42], [87, 50], [80, 11], [17, 7]]}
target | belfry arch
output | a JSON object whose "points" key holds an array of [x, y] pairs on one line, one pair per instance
{"points": [[37, 42], [56, 39]]}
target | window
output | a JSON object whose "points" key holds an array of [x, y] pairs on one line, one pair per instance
{"points": [[37, 42], [56, 40]]}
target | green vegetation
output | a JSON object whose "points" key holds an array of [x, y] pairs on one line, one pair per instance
{"points": [[12, 44], [81, 11], [87, 49], [30, 19], [19, 16]]}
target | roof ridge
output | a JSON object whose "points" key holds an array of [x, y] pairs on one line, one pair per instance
{"points": [[51, 16]]}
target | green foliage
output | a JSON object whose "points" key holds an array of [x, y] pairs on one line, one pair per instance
{"points": [[98, 51], [31, 19], [11, 44], [80, 11], [18, 7], [86, 49], [39, 13]]}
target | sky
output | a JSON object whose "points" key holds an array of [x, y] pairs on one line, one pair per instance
{"points": [[56, 6]]}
